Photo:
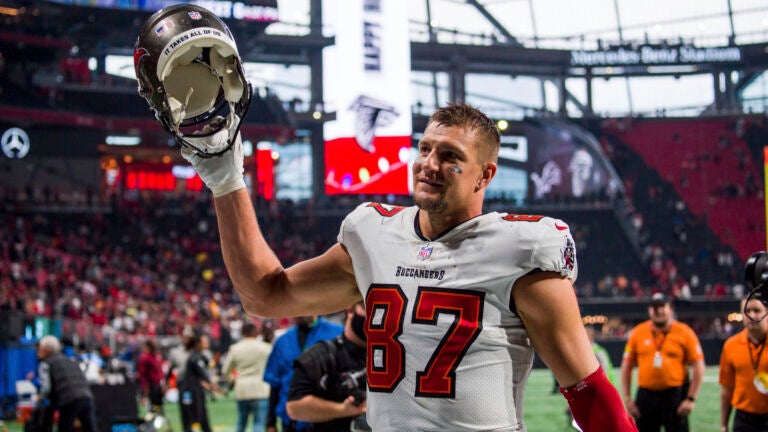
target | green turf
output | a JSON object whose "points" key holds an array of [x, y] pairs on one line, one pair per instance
{"points": [[544, 411]]}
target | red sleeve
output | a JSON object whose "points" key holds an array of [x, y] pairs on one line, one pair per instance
{"points": [[596, 405]]}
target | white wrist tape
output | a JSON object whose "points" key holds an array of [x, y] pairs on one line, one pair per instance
{"points": [[228, 187]]}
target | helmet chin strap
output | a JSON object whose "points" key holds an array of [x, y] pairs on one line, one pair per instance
{"points": [[212, 142]]}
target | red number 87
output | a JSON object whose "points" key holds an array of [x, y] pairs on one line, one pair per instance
{"points": [[385, 307]]}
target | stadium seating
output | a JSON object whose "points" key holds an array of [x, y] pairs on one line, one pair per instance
{"points": [[708, 164]]}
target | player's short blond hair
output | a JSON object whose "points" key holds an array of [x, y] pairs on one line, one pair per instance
{"points": [[472, 119]]}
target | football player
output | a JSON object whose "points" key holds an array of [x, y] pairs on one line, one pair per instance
{"points": [[456, 300]]}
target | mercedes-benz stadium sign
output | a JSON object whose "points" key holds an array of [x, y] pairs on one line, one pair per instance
{"points": [[15, 143], [655, 55]]}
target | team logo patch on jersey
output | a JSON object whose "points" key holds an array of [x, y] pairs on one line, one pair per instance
{"points": [[425, 252], [569, 254]]}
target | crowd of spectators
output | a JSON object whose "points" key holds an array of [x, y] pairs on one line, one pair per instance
{"points": [[149, 263], [150, 266]]}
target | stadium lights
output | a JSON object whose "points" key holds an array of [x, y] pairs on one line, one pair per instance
{"points": [[594, 319], [502, 125], [123, 140], [8, 11], [247, 148]]}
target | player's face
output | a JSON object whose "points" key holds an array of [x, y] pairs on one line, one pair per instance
{"points": [[756, 310], [446, 172]]}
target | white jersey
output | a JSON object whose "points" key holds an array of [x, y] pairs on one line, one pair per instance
{"points": [[446, 350]]}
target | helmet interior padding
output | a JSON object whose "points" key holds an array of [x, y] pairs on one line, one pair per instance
{"points": [[192, 90]]}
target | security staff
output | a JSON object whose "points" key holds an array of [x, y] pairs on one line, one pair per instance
{"points": [[744, 373], [662, 348]]}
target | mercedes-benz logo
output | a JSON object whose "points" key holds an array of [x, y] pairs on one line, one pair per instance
{"points": [[15, 143]]}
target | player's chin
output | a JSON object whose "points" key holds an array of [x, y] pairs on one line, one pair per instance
{"points": [[431, 203]]}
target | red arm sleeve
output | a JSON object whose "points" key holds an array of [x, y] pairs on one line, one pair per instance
{"points": [[596, 405]]}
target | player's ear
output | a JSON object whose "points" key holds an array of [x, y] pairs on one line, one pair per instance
{"points": [[486, 174]]}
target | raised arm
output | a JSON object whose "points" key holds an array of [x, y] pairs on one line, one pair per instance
{"points": [[320, 285], [546, 302]]}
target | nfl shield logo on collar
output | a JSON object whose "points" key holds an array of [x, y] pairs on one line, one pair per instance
{"points": [[195, 15], [425, 252]]}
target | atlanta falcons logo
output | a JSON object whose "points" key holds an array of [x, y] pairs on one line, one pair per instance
{"points": [[370, 114]]}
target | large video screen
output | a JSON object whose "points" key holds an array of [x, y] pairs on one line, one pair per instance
{"points": [[566, 162], [384, 169], [553, 161]]}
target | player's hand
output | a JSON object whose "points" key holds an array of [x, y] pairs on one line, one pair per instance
{"points": [[222, 174], [685, 408]]}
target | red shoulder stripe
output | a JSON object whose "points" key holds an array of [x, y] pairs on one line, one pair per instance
{"points": [[385, 211], [512, 217]]}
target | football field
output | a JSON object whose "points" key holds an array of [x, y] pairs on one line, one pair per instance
{"points": [[544, 411]]}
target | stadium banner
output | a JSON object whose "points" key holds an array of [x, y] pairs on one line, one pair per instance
{"points": [[264, 11], [367, 83], [649, 55]]}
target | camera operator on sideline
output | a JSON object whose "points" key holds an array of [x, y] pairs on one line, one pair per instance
{"points": [[328, 385]]}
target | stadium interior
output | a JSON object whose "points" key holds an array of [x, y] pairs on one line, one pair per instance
{"points": [[108, 237]]}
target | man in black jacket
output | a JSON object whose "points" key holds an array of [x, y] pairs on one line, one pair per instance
{"points": [[63, 387], [328, 386]]}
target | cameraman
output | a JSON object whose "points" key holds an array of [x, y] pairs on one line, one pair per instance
{"points": [[328, 387]]}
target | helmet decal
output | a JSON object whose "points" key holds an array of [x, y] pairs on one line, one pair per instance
{"points": [[163, 27], [138, 53]]}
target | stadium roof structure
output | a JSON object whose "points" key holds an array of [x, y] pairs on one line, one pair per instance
{"points": [[512, 57], [536, 42]]}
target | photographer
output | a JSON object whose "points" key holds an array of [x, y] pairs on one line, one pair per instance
{"points": [[328, 387]]}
